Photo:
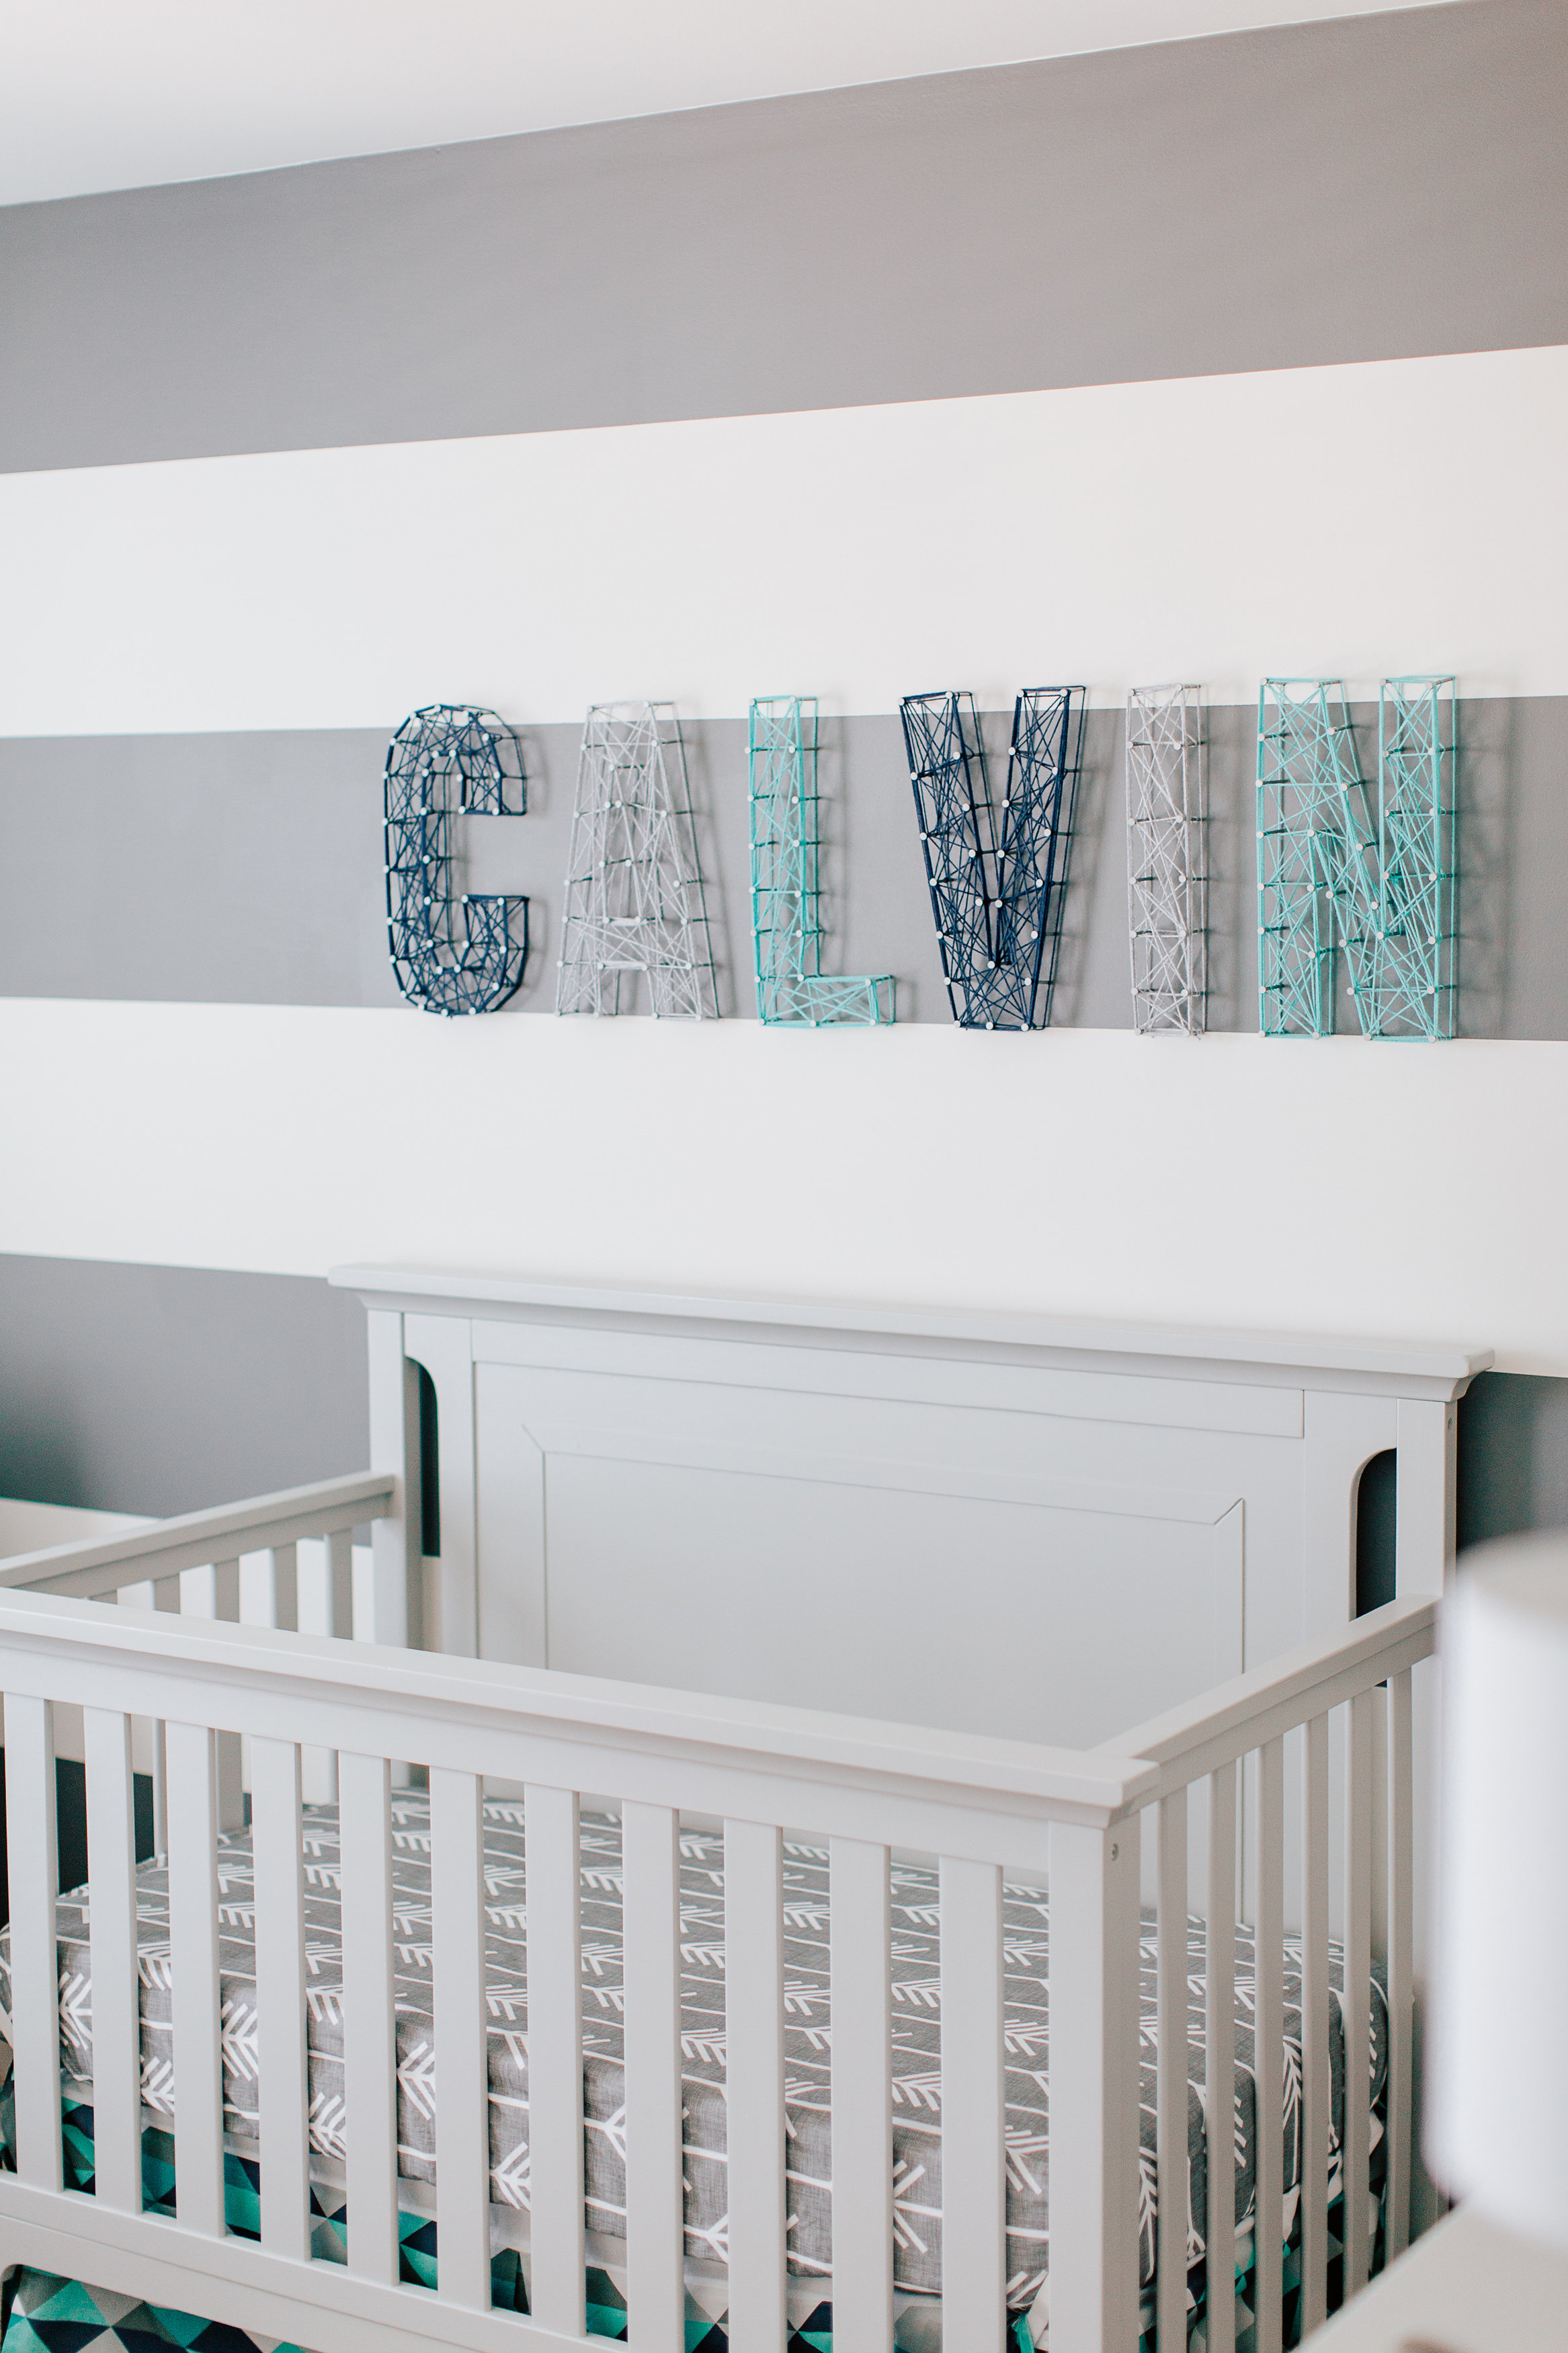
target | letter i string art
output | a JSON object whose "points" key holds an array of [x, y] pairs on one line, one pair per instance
{"points": [[1167, 886]]}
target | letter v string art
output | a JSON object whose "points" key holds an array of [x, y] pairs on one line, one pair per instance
{"points": [[996, 893], [780, 770], [1332, 875], [441, 970], [634, 889]]}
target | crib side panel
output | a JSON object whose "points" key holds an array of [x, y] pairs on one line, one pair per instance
{"points": [[1320, 2021], [846, 1786]]}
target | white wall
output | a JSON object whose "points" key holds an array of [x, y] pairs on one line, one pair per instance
{"points": [[1355, 522], [1358, 520], [95, 95], [1322, 1186]]}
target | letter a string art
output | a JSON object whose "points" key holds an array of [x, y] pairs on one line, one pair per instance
{"points": [[634, 907]]}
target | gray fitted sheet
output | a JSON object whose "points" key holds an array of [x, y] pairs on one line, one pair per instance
{"points": [[916, 2015]]}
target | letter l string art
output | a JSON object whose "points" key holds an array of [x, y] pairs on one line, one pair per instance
{"points": [[780, 770]]}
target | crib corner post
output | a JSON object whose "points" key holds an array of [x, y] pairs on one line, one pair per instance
{"points": [[395, 1446], [1094, 2112], [1426, 1536]]}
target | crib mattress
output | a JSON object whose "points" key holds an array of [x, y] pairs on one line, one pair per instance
{"points": [[916, 2034]]}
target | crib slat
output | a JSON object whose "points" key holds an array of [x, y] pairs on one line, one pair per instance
{"points": [[1269, 2049], [862, 2095], [166, 1596], [1170, 2106], [116, 2022], [754, 2080], [462, 2095], [281, 1997], [194, 1962], [654, 2205], [221, 1593], [214, 1592], [370, 2080], [32, 1860], [1315, 2059], [1219, 2062], [159, 1786], [283, 1587], [1356, 2139], [1268, 2045], [973, 2140], [553, 1890], [322, 1770], [228, 1760], [1401, 1835], [340, 1584]]}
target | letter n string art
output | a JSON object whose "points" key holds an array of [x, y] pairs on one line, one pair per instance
{"points": [[997, 880], [1334, 872]]}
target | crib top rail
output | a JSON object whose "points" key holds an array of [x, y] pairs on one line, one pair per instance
{"points": [[465, 1711], [193, 1539], [681, 1747], [1227, 1723]]}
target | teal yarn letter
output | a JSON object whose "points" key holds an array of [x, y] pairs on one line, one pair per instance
{"points": [[1335, 872], [781, 765]]}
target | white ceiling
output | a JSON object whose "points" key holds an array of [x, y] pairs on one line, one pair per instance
{"points": [[126, 93]]}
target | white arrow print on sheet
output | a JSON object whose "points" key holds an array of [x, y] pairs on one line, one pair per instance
{"points": [[417, 2077], [241, 2041]]}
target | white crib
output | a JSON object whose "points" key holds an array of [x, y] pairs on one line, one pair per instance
{"points": [[1289, 1821]]}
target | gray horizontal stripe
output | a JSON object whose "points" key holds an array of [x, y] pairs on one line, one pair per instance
{"points": [[1365, 188], [247, 869], [173, 1388]]}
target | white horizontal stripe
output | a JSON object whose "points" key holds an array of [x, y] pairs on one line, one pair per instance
{"points": [[1355, 521], [1165, 1180], [97, 95]]}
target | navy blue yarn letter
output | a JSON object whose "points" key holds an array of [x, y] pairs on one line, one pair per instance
{"points": [[445, 761], [996, 894]]}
